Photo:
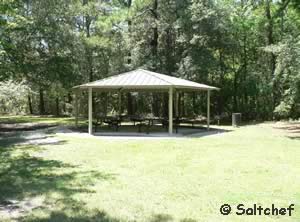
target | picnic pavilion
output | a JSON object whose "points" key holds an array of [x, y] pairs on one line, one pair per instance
{"points": [[143, 80]]}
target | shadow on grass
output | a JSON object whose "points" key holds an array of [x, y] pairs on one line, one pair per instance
{"points": [[97, 216], [24, 176], [294, 137], [84, 216], [168, 218]]}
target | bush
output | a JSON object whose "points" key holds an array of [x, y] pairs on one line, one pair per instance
{"points": [[13, 97]]}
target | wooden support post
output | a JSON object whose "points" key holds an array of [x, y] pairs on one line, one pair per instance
{"points": [[171, 111], [90, 111], [208, 109]]}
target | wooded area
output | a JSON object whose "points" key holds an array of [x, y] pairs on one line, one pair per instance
{"points": [[249, 48]]}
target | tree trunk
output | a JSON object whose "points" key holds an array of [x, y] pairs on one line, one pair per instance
{"points": [[42, 102], [194, 103], [270, 41], [179, 105], [154, 41], [154, 45], [155, 104], [129, 22], [245, 73], [129, 97], [129, 104], [30, 105], [222, 73], [183, 108], [165, 104], [235, 86], [70, 98], [88, 50], [106, 104], [57, 106]]}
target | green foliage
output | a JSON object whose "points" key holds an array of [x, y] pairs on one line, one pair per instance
{"points": [[289, 77], [250, 49], [13, 97]]}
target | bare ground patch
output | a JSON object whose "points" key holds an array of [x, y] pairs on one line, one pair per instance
{"points": [[290, 129]]}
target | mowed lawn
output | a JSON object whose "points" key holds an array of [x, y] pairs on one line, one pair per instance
{"points": [[71, 178]]}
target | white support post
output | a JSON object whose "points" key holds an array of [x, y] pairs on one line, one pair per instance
{"points": [[90, 111], [76, 108], [208, 109], [171, 111]]}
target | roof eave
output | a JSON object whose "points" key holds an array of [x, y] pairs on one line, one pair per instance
{"points": [[86, 86]]}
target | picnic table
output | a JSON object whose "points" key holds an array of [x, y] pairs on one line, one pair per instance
{"points": [[111, 121], [146, 121]]}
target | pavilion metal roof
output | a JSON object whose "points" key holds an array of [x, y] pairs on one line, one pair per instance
{"points": [[144, 79]]}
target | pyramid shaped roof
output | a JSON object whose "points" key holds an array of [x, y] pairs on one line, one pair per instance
{"points": [[144, 79]]}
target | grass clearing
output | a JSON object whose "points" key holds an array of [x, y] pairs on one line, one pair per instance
{"points": [[92, 179]]}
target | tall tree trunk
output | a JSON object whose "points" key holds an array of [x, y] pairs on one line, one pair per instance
{"points": [[245, 73], [165, 104], [270, 41], [222, 73], [179, 105], [154, 45], [42, 102], [30, 104], [235, 86], [106, 104], [57, 106], [154, 41], [70, 98], [183, 108], [129, 104], [65, 106], [194, 103], [155, 104], [129, 97], [88, 50]]}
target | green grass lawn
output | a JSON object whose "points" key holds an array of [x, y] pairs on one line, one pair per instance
{"points": [[92, 179]]}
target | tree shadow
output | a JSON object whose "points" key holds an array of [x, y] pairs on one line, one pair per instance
{"points": [[168, 218], [294, 137], [161, 218], [84, 216], [97, 216], [24, 176]]}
